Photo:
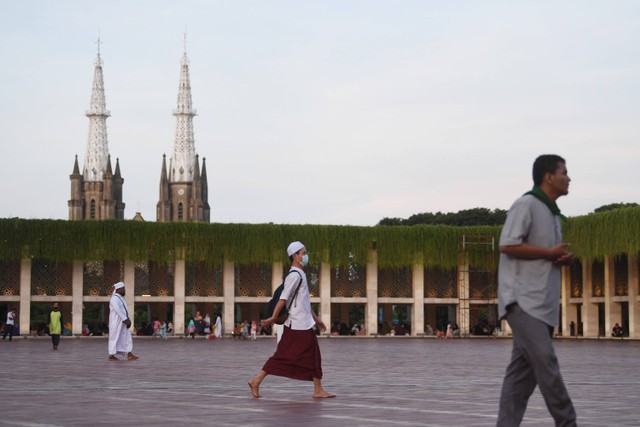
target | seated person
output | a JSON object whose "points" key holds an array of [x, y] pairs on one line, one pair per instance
{"points": [[617, 331], [355, 329], [335, 329], [344, 330]]}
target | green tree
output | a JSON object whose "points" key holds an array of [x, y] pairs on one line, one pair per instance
{"points": [[465, 217], [612, 206]]}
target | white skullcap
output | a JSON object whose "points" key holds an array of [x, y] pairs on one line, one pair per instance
{"points": [[118, 286], [294, 247]]}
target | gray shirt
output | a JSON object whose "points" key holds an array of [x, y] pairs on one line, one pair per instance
{"points": [[532, 283]]}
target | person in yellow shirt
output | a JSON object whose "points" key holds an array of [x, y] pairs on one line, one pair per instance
{"points": [[55, 325]]}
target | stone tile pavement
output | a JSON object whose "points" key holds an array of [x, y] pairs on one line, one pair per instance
{"points": [[390, 381]]}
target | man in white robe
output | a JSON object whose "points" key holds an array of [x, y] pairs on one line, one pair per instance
{"points": [[119, 323], [217, 331]]}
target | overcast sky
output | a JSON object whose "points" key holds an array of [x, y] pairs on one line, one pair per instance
{"points": [[326, 112]]}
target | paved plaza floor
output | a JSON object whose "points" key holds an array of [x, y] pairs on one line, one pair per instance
{"points": [[389, 381]]}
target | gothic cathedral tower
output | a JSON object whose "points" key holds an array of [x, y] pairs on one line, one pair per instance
{"points": [[97, 192], [183, 187]]}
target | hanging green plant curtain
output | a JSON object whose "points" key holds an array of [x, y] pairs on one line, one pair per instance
{"points": [[592, 236], [610, 233]]}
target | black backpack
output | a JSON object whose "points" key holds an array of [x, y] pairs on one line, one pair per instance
{"points": [[284, 312]]}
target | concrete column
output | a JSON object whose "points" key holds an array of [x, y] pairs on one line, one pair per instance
{"points": [[228, 289], [372, 293], [569, 311], [24, 310], [129, 298], [77, 286], [612, 310], [463, 298], [276, 280], [325, 295], [634, 304], [179, 286], [276, 277], [417, 314], [589, 309]]}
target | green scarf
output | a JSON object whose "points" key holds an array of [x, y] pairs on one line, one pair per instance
{"points": [[541, 195]]}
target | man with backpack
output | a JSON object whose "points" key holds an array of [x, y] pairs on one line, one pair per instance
{"points": [[298, 353]]}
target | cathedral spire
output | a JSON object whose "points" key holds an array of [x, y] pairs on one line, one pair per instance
{"points": [[204, 188], [76, 168], [117, 174], [182, 161], [181, 183], [97, 154]]}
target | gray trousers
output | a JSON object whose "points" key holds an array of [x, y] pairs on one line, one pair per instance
{"points": [[533, 362]]}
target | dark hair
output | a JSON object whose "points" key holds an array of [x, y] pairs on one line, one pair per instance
{"points": [[547, 163]]}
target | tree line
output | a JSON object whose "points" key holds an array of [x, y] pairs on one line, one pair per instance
{"points": [[465, 217], [474, 216]]}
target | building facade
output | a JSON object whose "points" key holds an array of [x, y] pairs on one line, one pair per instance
{"points": [[595, 294]]}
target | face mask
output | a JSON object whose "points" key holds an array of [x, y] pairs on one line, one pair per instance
{"points": [[305, 260]]}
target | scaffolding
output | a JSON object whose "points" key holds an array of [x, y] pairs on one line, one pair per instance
{"points": [[477, 285]]}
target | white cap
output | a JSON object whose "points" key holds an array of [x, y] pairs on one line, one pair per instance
{"points": [[294, 247], [118, 286]]}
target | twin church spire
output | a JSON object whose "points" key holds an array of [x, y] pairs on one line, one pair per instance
{"points": [[96, 193], [183, 187], [182, 161], [97, 154]]}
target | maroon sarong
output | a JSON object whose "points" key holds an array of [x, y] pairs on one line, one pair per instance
{"points": [[297, 356]]}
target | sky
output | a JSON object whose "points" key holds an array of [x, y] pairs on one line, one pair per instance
{"points": [[326, 112]]}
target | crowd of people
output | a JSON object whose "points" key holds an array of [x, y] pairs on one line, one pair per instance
{"points": [[202, 326], [249, 330], [341, 328], [484, 328]]}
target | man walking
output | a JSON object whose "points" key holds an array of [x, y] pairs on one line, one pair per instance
{"points": [[55, 325], [119, 323], [298, 353], [8, 327], [529, 279]]}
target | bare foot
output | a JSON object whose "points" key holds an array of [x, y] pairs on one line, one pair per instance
{"points": [[132, 356], [113, 359], [323, 395], [255, 390]]}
